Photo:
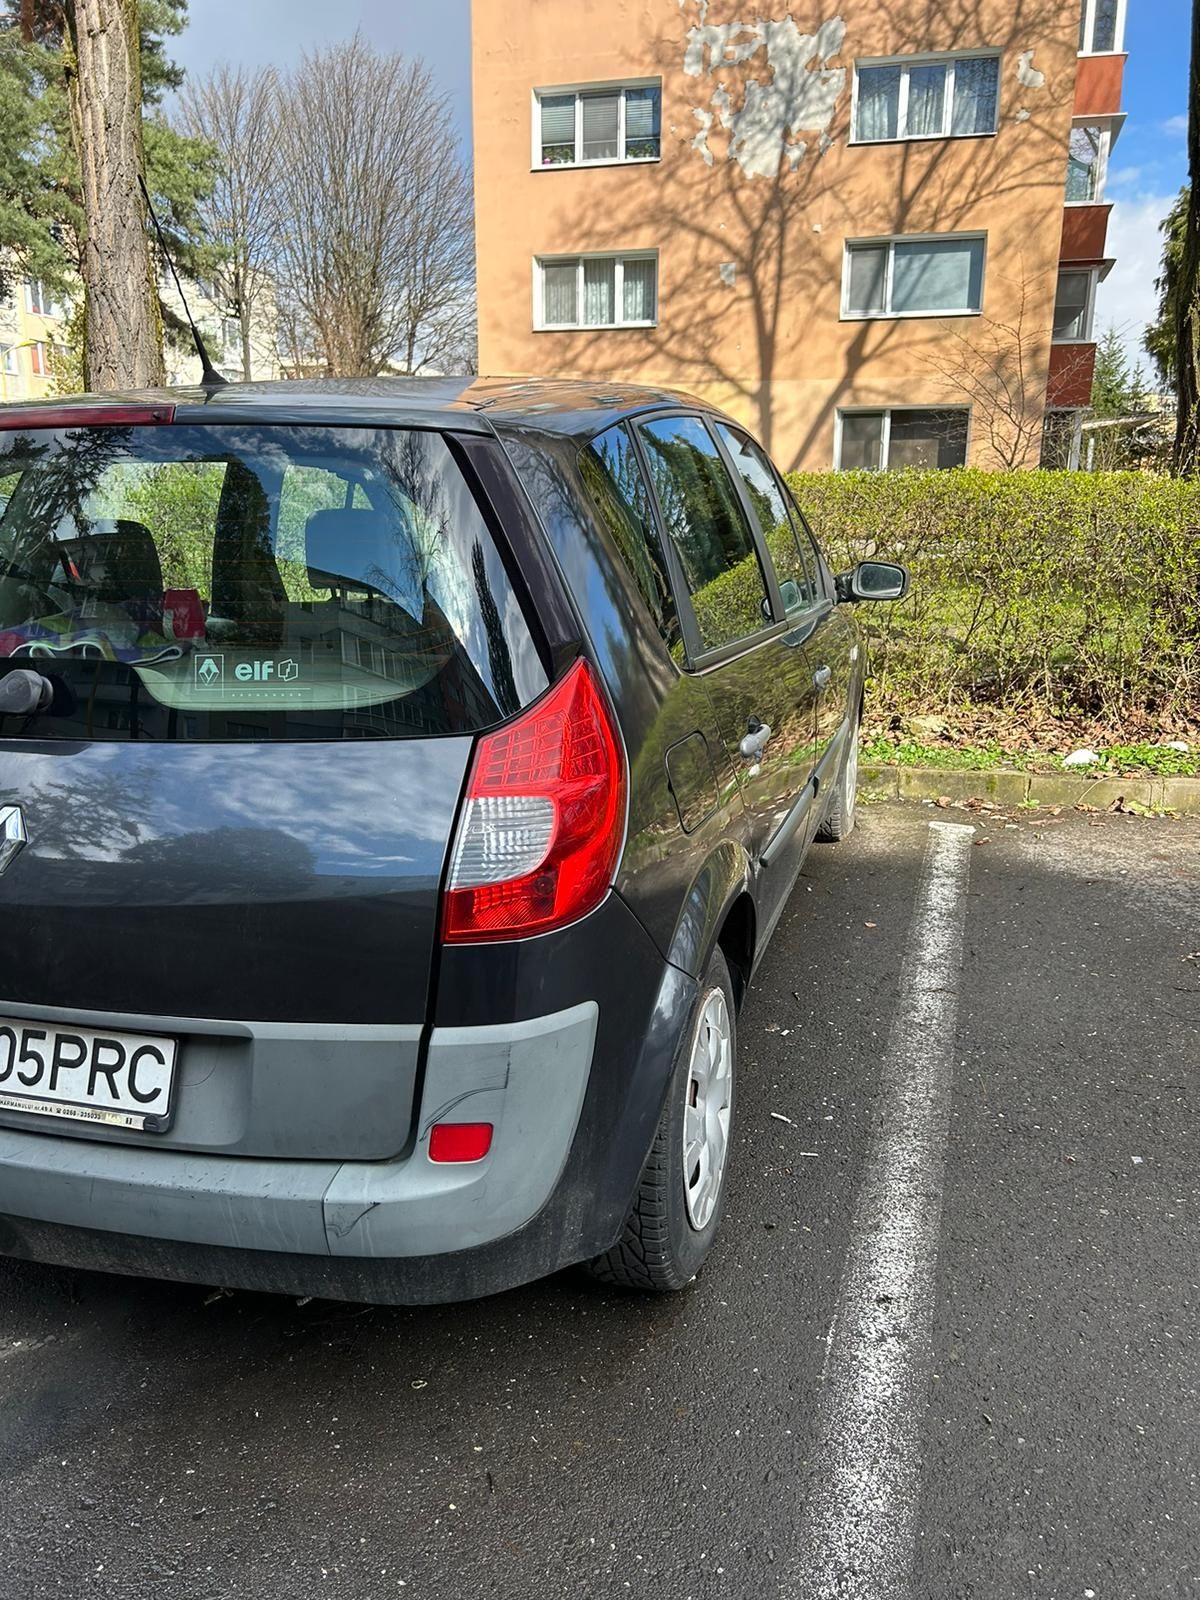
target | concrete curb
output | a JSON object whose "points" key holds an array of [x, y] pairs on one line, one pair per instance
{"points": [[1020, 788]]}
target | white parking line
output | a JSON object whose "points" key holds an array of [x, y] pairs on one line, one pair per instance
{"points": [[857, 1528]]}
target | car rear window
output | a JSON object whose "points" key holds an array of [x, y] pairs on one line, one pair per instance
{"points": [[221, 582]]}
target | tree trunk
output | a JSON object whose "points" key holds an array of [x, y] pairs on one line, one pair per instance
{"points": [[124, 336], [1187, 323]]}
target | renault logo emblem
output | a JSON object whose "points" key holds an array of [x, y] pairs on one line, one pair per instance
{"points": [[13, 837]]}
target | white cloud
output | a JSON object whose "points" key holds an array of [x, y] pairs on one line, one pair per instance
{"points": [[1175, 126], [1127, 299]]}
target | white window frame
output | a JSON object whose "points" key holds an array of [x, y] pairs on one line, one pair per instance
{"points": [[885, 443], [618, 258], [10, 362], [1101, 166], [42, 308], [1089, 30], [947, 60], [1075, 451], [891, 240], [1093, 278], [37, 351], [579, 90]]}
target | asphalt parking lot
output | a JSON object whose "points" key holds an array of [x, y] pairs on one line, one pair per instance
{"points": [[1015, 1412]]}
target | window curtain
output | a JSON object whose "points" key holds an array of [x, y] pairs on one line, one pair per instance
{"points": [[638, 293], [599, 300], [938, 275], [641, 123], [868, 266], [878, 103], [600, 127], [558, 128], [862, 441], [976, 91], [926, 102], [558, 293]]}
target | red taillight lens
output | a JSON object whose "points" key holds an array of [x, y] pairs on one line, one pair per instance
{"points": [[459, 1141], [543, 818], [100, 415]]}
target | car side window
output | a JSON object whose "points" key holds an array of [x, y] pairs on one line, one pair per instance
{"points": [[705, 522], [613, 478], [787, 539]]}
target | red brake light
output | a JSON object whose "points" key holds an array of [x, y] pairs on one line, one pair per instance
{"points": [[83, 416], [543, 819], [459, 1141]]}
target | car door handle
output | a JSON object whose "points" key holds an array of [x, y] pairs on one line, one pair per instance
{"points": [[755, 742], [823, 677]]}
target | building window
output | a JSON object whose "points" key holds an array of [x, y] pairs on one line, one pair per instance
{"points": [[1086, 164], [8, 361], [913, 277], [1061, 434], [596, 291], [902, 437], [596, 127], [1101, 27], [37, 301], [1073, 306], [37, 359], [953, 98]]}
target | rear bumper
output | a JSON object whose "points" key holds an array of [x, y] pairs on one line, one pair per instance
{"points": [[147, 1206]]}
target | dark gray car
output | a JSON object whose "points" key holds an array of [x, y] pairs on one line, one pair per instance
{"points": [[399, 784]]}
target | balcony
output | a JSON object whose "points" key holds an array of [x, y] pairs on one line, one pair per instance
{"points": [[1098, 85], [1084, 233], [1071, 369]]}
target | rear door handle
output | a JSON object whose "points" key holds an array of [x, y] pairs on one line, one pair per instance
{"points": [[755, 742], [823, 677]]}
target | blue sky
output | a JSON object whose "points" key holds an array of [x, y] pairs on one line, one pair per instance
{"points": [[1149, 163], [1148, 166]]}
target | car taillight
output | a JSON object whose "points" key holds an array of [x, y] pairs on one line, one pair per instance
{"points": [[101, 415], [543, 818]]}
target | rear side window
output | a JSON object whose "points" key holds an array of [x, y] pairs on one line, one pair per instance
{"points": [[704, 519], [224, 582], [787, 540], [613, 478]]}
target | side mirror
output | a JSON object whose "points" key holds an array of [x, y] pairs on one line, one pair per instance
{"points": [[873, 580]]}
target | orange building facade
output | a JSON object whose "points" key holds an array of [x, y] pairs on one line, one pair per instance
{"points": [[872, 233]]}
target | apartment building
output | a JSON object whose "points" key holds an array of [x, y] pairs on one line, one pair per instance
{"points": [[874, 233], [32, 328]]}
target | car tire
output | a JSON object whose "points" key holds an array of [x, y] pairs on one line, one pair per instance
{"points": [[677, 1209], [839, 819]]}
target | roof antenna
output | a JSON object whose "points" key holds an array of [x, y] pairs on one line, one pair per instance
{"points": [[210, 378]]}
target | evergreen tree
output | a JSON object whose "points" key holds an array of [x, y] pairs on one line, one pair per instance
{"points": [[1160, 341]]}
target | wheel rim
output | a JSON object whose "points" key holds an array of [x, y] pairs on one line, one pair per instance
{"points": [[850, 780], [706, 1109]]}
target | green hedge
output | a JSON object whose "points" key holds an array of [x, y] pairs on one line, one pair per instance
{"points": [[1072, 593]]}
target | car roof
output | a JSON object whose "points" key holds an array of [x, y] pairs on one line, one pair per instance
{"points": [[570, 406]]}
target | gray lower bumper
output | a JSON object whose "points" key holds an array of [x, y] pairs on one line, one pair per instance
{"points": [[527, 1079]]}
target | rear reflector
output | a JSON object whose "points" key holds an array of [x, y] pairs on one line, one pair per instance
{"points": [[83, 416], [460, 1141], [541, 827]]}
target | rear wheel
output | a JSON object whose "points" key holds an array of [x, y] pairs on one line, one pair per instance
{"points": [[839, 819], [677, 1209]]}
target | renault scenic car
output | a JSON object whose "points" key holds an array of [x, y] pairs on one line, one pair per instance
{"points": [[399, 784]]}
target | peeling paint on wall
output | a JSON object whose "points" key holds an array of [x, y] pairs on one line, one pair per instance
{"points": [[798, 90], [1027, 74]]}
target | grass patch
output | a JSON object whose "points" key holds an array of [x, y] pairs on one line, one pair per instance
{"points": [[1118, 760]]}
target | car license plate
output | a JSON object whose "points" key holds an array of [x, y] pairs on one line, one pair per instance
{"points": [[119, 1080]]}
